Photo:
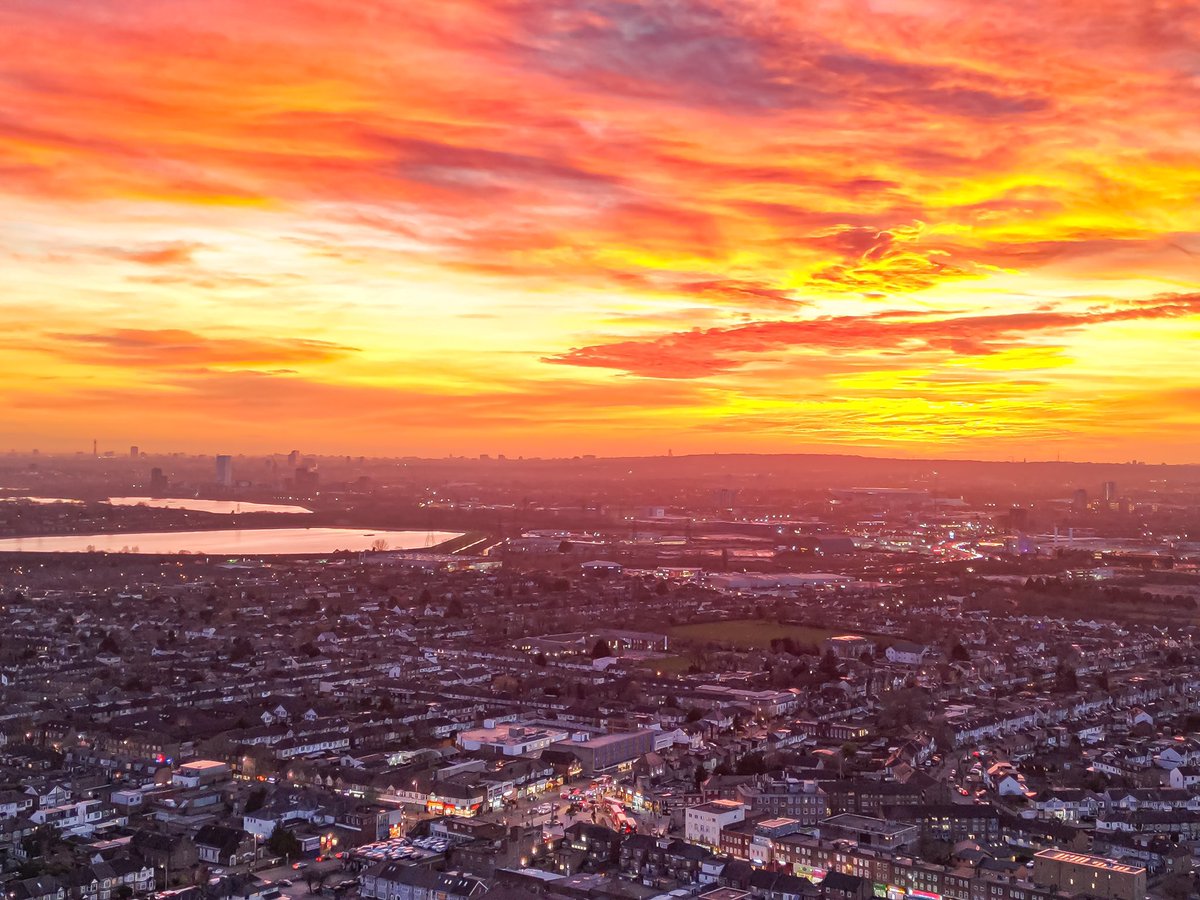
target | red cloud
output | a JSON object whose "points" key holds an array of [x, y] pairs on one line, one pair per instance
{"points": [[177, 348], [699, 353]]}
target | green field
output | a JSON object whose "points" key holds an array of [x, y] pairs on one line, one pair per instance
{"points": [[749, 633], [668, 665]]}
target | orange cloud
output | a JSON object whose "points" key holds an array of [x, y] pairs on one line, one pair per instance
{"points": [[722, 205], [176, 348], [697, 353], [166, 255]]}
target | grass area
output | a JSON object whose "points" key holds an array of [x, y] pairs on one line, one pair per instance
{"points": [[668, 665], [750, 633], [458, 543]]}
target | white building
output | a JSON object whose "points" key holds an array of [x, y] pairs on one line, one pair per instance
{"points": [[703, 823], [200, 772], [905, 653], [1185, 777], [510, 738], [80, 818]]}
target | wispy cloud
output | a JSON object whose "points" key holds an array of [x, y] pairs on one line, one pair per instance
{"points": [[894, 206]]}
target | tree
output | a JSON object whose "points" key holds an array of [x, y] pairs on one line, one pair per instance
{"points": [[109, 645], [454, 609], [751, 764], [1065, 679], [255, 799], [242, 649], [935, 851], [540, 659], [829, 664], [907, 706], [959, 653], [283, 843], [1177, 886], [601, 649], [43, 839]]}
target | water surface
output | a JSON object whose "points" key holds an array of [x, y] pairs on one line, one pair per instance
{"points": [[231, 541], [210, 506]]}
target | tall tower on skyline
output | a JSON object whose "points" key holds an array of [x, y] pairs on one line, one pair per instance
{"points": [[225, 470]]}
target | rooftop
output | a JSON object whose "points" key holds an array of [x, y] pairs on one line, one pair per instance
{"points": [[1086, 859]]}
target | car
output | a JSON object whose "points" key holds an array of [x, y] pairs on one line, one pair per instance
{"points": [[963, 791], [284, 882], [299, 865]]}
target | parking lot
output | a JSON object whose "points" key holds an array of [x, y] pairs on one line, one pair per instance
{"points": [[311, 880]]}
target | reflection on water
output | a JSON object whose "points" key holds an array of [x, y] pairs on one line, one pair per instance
{"points": [[211, 506], [232, 541], [15, 497], [222, 507]]}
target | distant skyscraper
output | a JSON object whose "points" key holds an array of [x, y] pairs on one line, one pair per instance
{"points": [[133, 452], [725, 497], [293, 458], [225, 471], [307, 479], [1109, 489], [158, 483]]}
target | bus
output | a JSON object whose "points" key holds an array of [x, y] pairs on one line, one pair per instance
{"points": [[621, 820]]}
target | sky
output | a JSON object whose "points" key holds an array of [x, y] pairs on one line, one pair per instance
{"points": [[542, 227]]}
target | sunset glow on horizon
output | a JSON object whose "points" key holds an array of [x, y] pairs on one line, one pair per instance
{"points": [[895, 227]]}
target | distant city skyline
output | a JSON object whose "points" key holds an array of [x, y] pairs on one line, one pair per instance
{"points": [[294, 458], [910, 228]]}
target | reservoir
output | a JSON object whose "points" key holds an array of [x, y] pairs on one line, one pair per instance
{"points": [[210, 506], [232, 542]]}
